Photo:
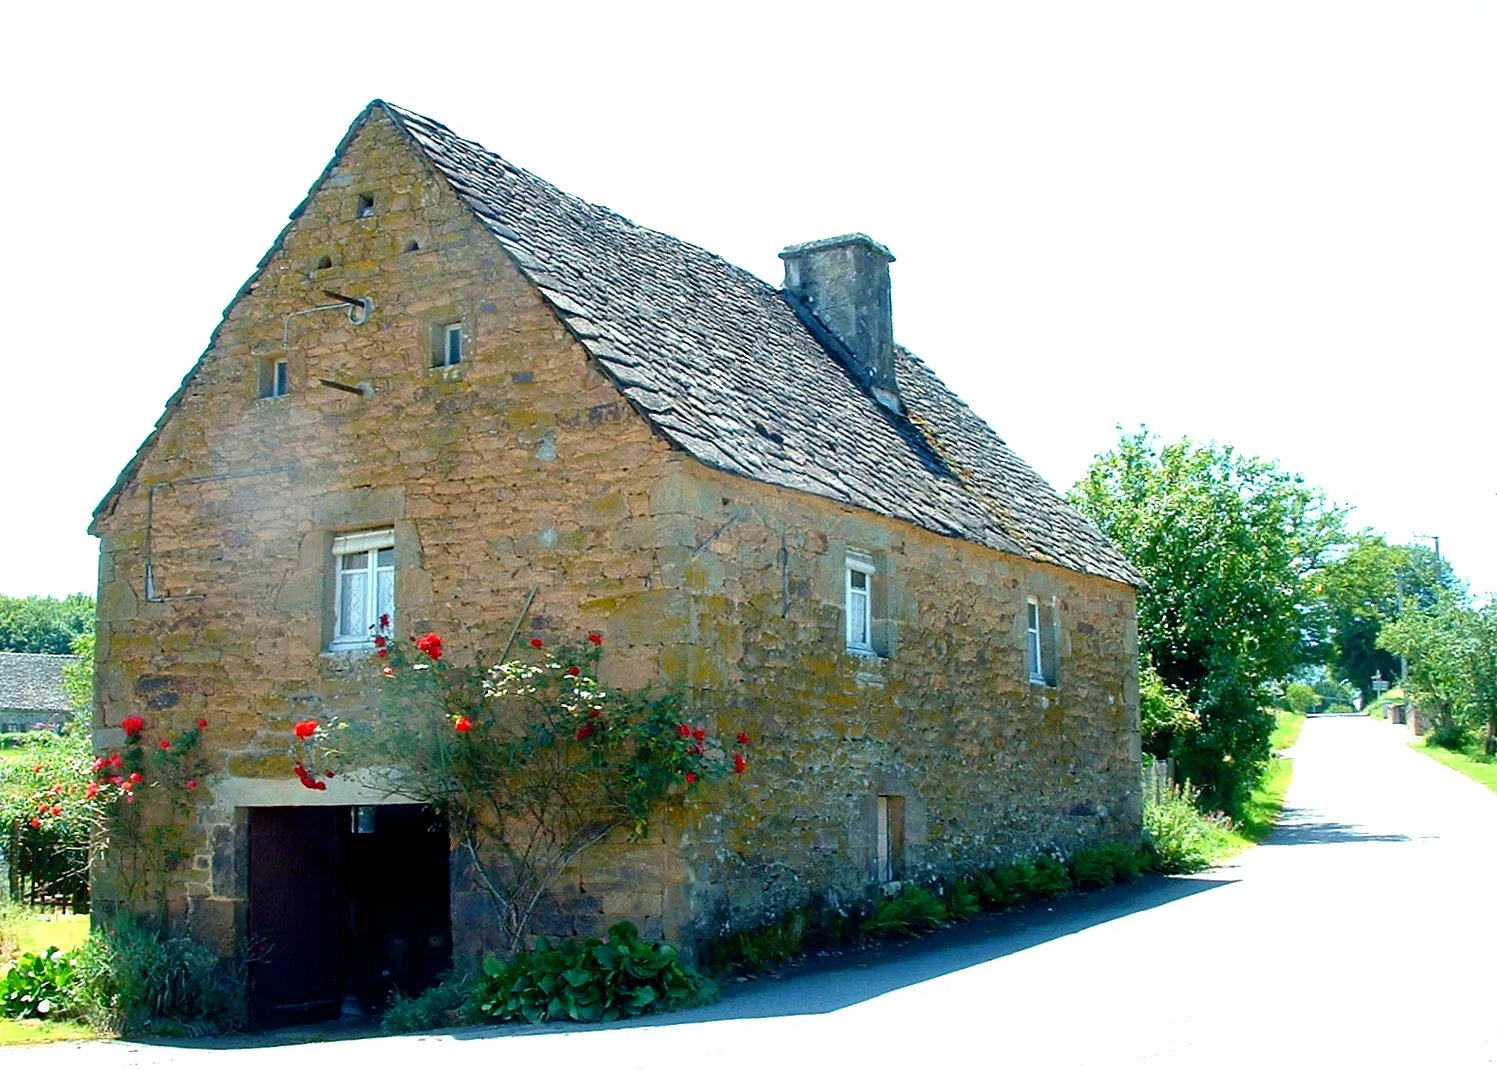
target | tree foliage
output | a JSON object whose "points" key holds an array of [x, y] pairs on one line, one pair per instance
{"points": [[1359, 592], [1228, 546], [36, 625], [1451, 649]]}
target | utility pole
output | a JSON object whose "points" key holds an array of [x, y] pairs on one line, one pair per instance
{"points": [[1403, 662]]}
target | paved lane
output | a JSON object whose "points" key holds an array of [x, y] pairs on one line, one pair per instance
{"points": [[1355, 937]]}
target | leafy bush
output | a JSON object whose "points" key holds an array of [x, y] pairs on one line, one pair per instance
{"points": [[39, 985], [761, 948], [592, 981], [1302, 698], [1183, 839], [452, 1001], [1164, 712], [962, 901], [1111, 862], [914, 910], [1452, 735], [137, 982]]}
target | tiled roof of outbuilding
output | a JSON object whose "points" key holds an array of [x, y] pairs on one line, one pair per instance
{"points": [[720, 363], [32, 683]]}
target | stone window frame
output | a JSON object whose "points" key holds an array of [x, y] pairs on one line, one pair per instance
{"points": [[371, 541], [859, 563], [274, 375], [1042, 641]]}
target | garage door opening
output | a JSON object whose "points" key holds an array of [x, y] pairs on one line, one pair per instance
{"points": [[346, 905]]}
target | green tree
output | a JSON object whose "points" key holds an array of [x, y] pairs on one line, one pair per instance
{"points": [[36, 625], [1229, 546], [1302, 697], [1359, 591], [1436, 642]]}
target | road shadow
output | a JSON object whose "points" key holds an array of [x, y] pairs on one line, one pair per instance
{"points": [[1301, 827], [823, 983]]}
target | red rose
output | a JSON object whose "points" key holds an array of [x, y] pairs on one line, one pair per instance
{"points": [[583, 732], [202, 722], [389, 671], [536, 642], [380, 640], [116, 761], [36, 823], [743, 739], [430, 645], [381, 652], [99, 763], [305, 729], [191, 784], [135, 778], [739, 765], [129, 797], [684, 730], [574, 671], [594, 638], [91, 791], [699, 735], [36, 768], [384, 620], [56, 810], [166, 744], [133, 726], [462, 724], [691, 778]]}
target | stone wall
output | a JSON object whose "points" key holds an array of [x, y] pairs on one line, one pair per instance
{"points": [[522, 469]]}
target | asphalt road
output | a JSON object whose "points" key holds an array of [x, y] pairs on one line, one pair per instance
{"points": [[1364, 933]]}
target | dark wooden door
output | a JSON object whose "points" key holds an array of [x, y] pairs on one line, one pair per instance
{"points": [[294, 914]]}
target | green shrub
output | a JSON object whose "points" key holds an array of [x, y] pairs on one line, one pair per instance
{"points": [[1110, 862], [1182, 839], [135, 981], [1340, 708], [592, 981], [1452, 735], [914, 910], [40, 985], [963, 901], [762, 948], [454, 1000]]}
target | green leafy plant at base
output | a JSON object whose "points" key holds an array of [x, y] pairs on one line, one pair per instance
{"points": [[962, 901], [1110, 862], [39, 985], [592, 981], [913, 911], [453, 1001], [137, 982], [762, 948], [1182, 838]]}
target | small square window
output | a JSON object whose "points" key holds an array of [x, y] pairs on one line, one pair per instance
{"points": [[364, 588], [366, 205], [275, 378], [447, 345]]}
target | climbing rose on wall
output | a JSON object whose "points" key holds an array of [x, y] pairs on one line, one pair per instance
{"points": [[531, 759], [133, 726], [305, 729]]}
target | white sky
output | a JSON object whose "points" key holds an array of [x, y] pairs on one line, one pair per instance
{"points": [[1271, 224]]}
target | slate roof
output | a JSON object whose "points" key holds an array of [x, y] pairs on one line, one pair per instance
{"points": [[32, 683], [721, 364]]}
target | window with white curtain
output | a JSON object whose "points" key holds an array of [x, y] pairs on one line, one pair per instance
{"points": [[860, 573], [365, 587]]}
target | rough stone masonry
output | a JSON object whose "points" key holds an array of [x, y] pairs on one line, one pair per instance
{"points": [[534, 463]]}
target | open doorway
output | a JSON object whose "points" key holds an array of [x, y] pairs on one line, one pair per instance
{"points": [[346, 904]]}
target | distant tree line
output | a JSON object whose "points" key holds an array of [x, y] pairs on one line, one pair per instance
{"points": [[37, 625]]}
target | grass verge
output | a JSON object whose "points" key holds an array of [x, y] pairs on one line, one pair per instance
{"points": [[15, 1031], [28, 930], [1286, 730], [1470, 761]]}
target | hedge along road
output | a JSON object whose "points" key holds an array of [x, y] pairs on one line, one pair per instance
{"points": [[1360, 933]]}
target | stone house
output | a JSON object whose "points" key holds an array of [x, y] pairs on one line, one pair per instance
{"points": [[31, 691], [451, 391]]}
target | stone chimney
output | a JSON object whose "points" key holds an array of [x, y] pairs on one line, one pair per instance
{"points": [[844, 283]]}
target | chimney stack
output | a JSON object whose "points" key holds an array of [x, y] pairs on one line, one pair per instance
{"points": [[844, 283]]}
